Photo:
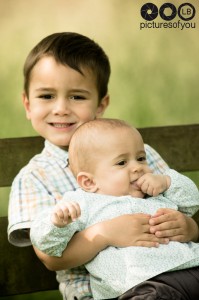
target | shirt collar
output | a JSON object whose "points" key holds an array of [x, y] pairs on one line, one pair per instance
{"points": [[58, 153]]}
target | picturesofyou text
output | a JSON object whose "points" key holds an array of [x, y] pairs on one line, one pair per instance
{"points": [[171, 16]]}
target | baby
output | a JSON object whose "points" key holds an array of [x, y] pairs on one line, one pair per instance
{"points": [[108, 159]]}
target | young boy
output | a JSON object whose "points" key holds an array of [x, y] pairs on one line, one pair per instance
{"points": [[65, 85], [108, 157]]}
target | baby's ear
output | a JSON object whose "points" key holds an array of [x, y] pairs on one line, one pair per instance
{"points": [[86, 182]]}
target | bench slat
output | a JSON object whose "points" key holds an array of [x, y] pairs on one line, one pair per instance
{"points": [[14, 154], [178, 145], [20, 270]]}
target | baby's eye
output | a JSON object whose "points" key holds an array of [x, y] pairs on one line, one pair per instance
{"points": [[122, 163], [141, 158]]}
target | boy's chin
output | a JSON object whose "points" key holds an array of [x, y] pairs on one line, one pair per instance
{"points": [[59, 143]]}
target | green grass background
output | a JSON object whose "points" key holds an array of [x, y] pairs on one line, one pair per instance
{"points": [[155, 72]]}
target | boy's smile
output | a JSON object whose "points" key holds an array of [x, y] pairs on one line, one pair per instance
{"points": [[61, 99]]}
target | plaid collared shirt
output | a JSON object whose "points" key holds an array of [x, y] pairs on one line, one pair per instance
{"points": [[40, 185]]}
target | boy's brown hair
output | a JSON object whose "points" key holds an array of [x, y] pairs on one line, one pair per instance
{"points": [[75, 50]]}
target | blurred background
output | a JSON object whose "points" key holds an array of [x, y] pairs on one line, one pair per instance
{"points": [[155, 72]]}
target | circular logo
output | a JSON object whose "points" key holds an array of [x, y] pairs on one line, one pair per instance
{"points": [[168, 6], [186, 11], [149, 11]]}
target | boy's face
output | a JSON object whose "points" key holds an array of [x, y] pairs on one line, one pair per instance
{"points": [[120, 163], [60, 100]]}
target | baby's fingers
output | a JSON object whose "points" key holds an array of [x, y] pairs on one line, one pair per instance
{"points": [[65, 213], [57, 218], [74, 210], [145, 186], [59, 213], [68, 212]]}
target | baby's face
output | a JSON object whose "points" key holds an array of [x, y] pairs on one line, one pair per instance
{"points": [[60, 100], [120, 163]]}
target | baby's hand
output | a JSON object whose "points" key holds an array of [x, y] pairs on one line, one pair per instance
{"points": [[64, 213], [154, 184]]}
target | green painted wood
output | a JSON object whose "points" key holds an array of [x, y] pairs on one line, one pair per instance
{"points": [[20, 270], [178, 145], [14, 154]]}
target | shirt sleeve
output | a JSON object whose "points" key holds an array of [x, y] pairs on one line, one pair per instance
{"points": [[30, 193], [183, 192], [51, 239], [155, 161]]}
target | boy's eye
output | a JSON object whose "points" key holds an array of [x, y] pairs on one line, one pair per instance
{"points": [[77, 97], [46, 96]]}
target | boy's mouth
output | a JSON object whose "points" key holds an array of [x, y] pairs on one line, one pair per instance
{"points": [[61, 125]]}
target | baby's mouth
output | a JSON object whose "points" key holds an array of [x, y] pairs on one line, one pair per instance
{"points": [[134, 184]]}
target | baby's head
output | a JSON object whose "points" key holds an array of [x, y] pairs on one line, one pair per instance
{"points": [[74, 50], [107, 156]]}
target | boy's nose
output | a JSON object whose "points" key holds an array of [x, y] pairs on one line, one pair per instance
{"points": [[61, 107]]}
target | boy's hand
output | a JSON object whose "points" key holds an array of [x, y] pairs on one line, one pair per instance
{"points": [[129, 230], [64, 213], [153, 184], [172, 224]]}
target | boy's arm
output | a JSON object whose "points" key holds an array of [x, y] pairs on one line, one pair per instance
{"points": [[72, 256], [123, 231]]}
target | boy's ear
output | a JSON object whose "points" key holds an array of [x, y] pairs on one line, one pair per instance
{"points": [[26, 105], [87, 182], [102, 106]]}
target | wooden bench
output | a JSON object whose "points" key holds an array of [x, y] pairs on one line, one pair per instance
{"points": [[20, 270]]}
